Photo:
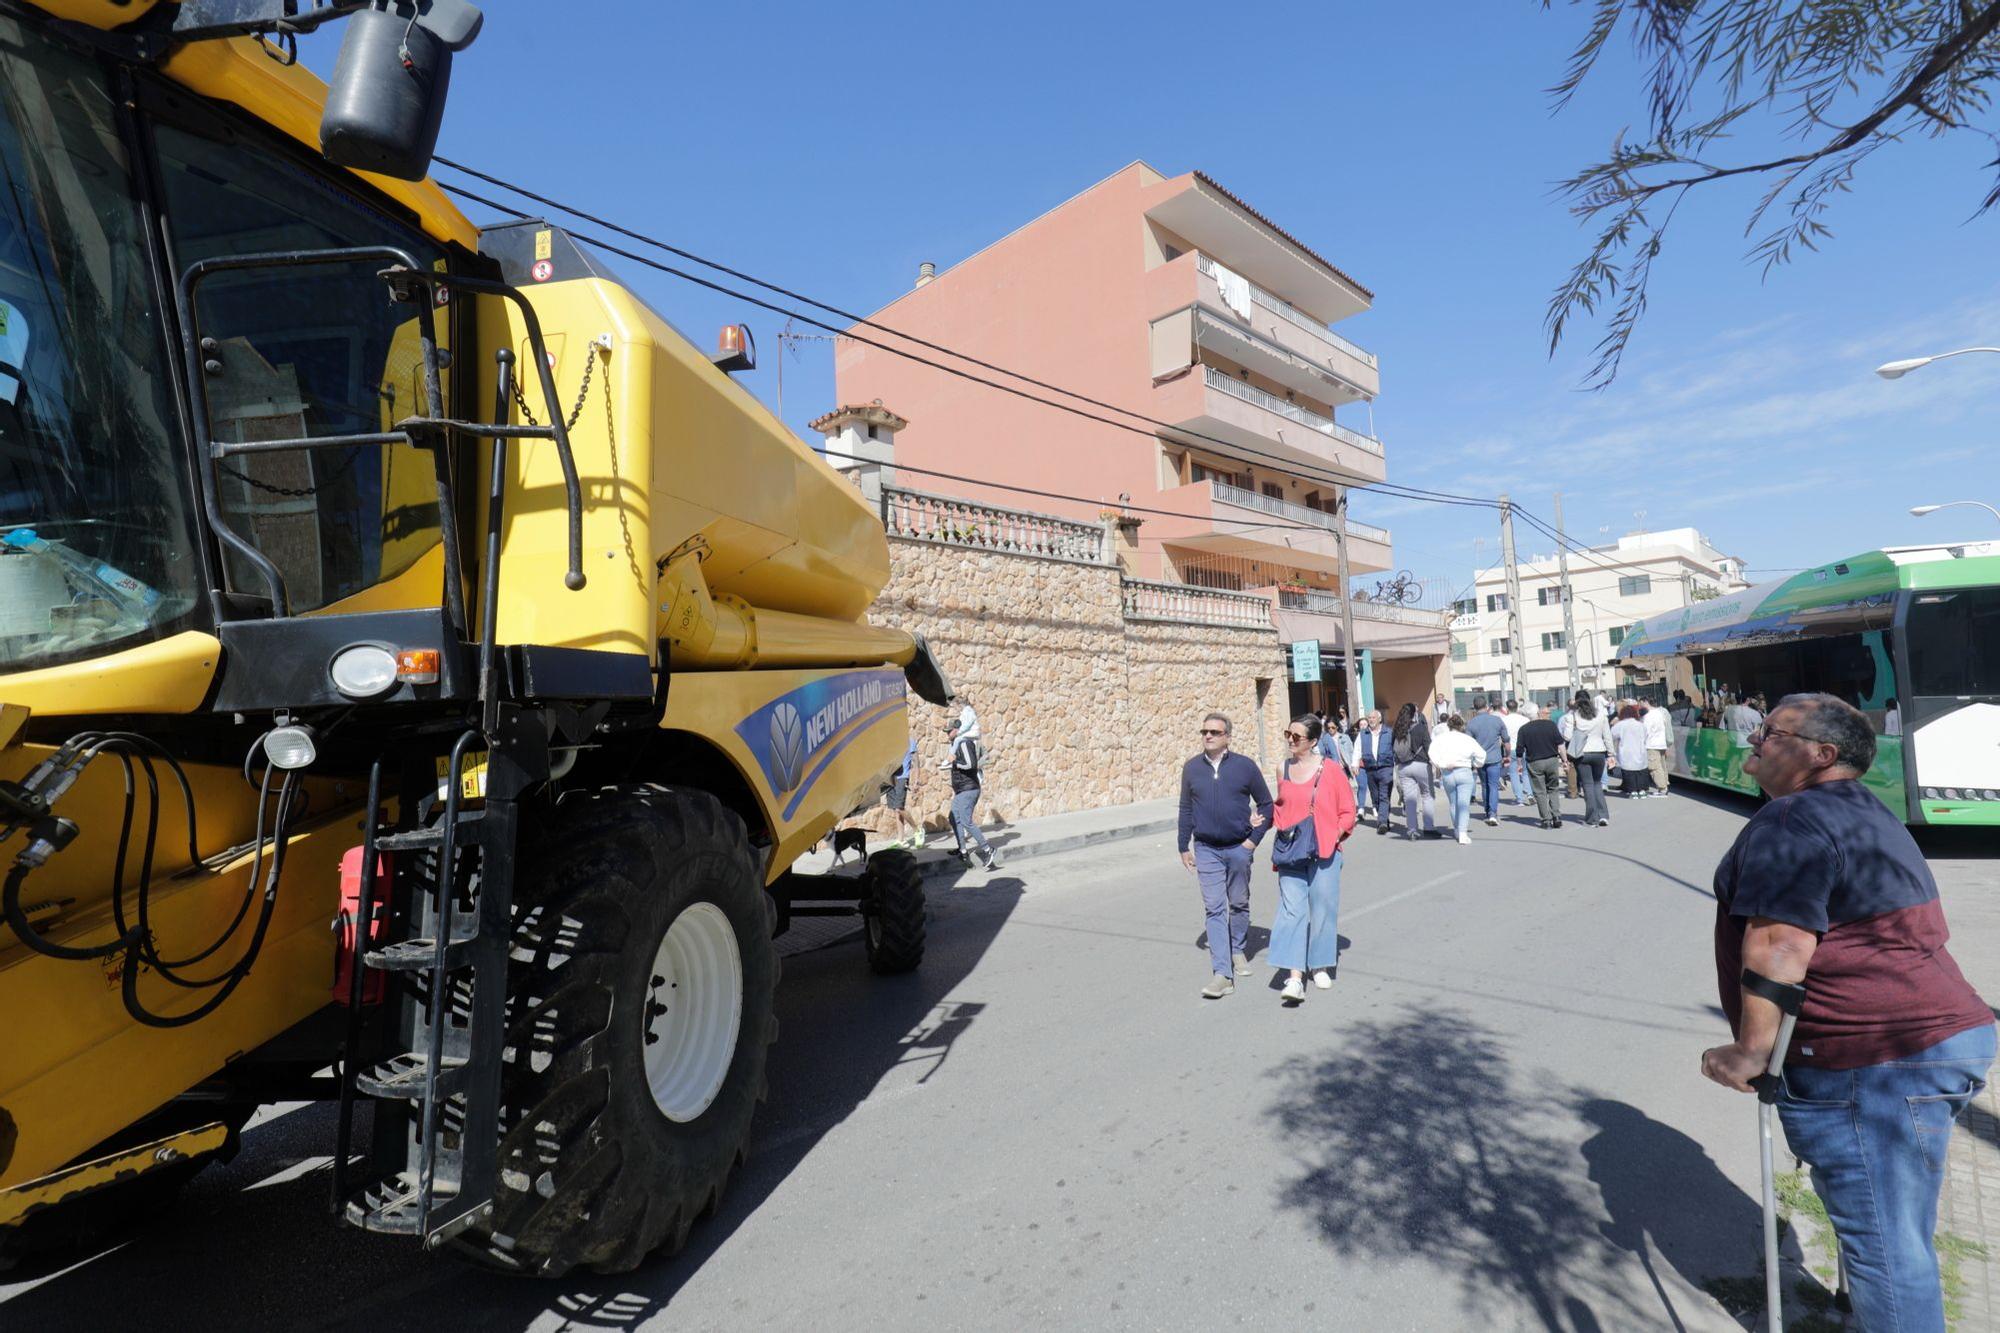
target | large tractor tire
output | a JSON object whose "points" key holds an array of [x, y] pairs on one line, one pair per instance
{"points": [[892, 915], [639, 1019]]}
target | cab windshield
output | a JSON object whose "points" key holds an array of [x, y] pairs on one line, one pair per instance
{"points": [[96, 544]]}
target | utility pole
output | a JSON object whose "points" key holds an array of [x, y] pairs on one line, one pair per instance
{"points": [[1349, 653], [1519, 649], [1569, 623]]}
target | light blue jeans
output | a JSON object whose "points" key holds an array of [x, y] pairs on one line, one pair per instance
{"points": [[1458, 784], [1875, 1138], [965, 825], [1306, 936], [1517, 778]]}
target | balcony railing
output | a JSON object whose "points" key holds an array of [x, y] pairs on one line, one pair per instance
{"points": [[1294, 315], [921, 516], [1270, 402], [1299, 513], [1186, 605], [1327, 603]]}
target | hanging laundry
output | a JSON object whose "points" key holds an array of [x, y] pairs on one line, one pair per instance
{"points": [[1235, 290]]}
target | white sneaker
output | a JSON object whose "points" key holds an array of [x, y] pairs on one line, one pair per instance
{"points": [[1243, 968], [1323, 979], [1294, 991], [917, 840], [1465, 838]]}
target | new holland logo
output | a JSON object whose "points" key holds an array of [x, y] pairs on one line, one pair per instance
{"points": [[788, 747]]}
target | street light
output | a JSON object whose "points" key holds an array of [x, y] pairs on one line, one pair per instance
{"points": [[1895, 370], [1920, 510]]}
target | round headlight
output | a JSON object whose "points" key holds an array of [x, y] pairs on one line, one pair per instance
{"points": [[363, 671], [289, 747]]}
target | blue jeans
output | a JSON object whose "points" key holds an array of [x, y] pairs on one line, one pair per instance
{"points": [[1457, 784], [1517, 778], [1381, 778], [1224, 873], [1305, 935], [963, 825], [1489, 787], [1875, 1138]]}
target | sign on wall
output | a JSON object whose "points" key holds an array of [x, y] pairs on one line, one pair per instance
{"points": [[1305, 660]]}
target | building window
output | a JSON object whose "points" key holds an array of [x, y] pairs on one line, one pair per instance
{"points": [[1617, 635], [1274, 490], [1635, 585], [1496, 601], [1550, 596], [871, 432], [1466, 607], [1458, 652], [1555, 640], [1500, 647]]}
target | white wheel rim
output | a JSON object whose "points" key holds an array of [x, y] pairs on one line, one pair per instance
{"points": [[694, 1010]]}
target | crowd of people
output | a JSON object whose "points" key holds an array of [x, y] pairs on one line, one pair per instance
{"points": [[1499, 751], [1823, 889]]}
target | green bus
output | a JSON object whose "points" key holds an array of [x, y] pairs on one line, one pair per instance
{"points": [[1910, 635]]}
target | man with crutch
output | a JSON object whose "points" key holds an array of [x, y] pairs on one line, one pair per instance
{"points": [[1825, 889]]}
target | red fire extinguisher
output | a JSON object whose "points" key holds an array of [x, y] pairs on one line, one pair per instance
{"points": [[347, 938]]}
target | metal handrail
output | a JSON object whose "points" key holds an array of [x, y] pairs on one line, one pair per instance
{"points": [[1278, 306], [1306, 417], [1319, 518]]}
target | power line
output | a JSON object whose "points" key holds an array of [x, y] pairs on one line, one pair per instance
{"points": [[1396, 490]]}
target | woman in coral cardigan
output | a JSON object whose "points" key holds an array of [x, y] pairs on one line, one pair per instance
{"points": [[1305, 937]]}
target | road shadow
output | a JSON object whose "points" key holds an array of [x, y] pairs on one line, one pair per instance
{"points": [[1255, 940], [246, 1251], [1414, 1144], [1665, 1194]]}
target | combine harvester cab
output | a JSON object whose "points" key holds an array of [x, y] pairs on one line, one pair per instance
{"points": [[420, 667]]}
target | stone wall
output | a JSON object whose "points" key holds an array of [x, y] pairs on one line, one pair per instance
{"points": [[1080, 708]]}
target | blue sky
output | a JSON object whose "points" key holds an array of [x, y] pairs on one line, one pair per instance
{"points": [[833, 148]]}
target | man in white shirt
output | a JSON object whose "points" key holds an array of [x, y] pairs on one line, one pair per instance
{"points": [[1741, 719], [1659, 740], [1516, 769]]}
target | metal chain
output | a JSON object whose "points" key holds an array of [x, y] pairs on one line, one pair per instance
{"points": [[576, 413], [292, 492]]}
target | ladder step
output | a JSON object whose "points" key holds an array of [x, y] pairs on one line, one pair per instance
{"points": [[404, 1077], [420, 954], [428, 839], [394, 1206]]}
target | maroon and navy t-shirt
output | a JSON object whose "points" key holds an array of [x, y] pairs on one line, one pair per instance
{"points": [[1832, 859]]}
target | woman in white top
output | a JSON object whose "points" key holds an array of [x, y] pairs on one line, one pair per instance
{"points": [[1628, 744], [1456, 759], [1589, 742]]}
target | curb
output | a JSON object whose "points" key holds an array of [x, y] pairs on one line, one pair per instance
{"points": [[941, 865]]}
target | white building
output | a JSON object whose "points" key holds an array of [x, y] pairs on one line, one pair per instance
{"points": [[1611, 589]]}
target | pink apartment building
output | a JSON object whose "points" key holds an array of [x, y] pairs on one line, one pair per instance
{"points": [[1173, 298]]}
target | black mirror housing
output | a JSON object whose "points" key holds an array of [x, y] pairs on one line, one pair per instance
{"points": [[386, 102]]}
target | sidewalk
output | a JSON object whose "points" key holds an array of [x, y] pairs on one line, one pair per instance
{"points": [[1045, 836], [1018, 842], [1969, 1211]]}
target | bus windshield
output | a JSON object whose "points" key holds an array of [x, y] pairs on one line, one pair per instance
{"points": [[1954, 637], [96, 544]]}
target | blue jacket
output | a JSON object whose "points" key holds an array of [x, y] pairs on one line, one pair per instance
{"points": [[1216, 801]]}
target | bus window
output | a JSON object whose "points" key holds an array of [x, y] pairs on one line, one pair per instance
{"points": [[1954, 643]]}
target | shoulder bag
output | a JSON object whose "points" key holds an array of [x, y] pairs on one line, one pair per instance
{"points": [[1298, 844]]}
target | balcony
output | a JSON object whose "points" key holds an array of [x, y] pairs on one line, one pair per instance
{"points": [[1388, 631], [1220, 410], [1229, 520], [1285, 342]]}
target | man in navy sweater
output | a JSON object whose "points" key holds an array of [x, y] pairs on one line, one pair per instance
{"points": [[1225, 813]]}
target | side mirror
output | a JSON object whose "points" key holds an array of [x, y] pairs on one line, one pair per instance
{"points": [[386, 101]]}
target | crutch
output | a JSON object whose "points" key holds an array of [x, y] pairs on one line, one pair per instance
{"points": [[1788, 997]]}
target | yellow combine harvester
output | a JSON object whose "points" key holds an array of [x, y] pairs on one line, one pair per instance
{"points": [[420, 666]]}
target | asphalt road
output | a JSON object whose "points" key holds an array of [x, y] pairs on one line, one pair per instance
{"points": [[1492, 1121]]}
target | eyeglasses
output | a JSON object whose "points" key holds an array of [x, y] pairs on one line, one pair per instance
{"points": [[1213, 731], [1762, 734], [1295, 736]]}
